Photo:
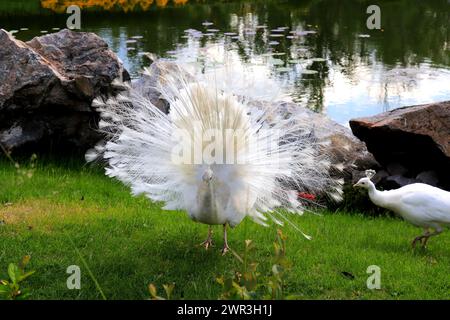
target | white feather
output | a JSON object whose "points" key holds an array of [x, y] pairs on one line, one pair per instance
{"points": [[272, 167]]}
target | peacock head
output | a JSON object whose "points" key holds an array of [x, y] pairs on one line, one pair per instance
{"points": [[365, 182], [207, 175]]}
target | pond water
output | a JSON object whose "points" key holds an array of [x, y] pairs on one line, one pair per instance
{"points": [[317, 53]]}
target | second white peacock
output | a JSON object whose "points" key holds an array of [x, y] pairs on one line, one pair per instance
{"points": [[418, 203], [212, 155]]}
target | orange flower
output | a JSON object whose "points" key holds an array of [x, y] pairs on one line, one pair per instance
{"points": [[145, 4], [126, 5], [180, 2], [161, 3]]}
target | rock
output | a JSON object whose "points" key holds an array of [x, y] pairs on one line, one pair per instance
{"points": [[429, 177], [148, 81], [397, 181], [344, 148], [380, 176], [152, 77], [415, 137], [47, 88], [396, 169]]}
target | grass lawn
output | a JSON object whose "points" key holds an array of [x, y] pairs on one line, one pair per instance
{"points": [[129, 242]]}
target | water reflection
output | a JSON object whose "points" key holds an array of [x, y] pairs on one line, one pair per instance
{"points": [[317, 53]]}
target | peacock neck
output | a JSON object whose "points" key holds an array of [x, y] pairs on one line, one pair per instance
{"points": [[377, 197]]}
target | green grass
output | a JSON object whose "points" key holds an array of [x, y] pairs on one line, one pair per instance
{"points": [[129, 242]]}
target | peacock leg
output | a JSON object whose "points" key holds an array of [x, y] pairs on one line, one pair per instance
{"points": [[428, 235], [226, 248], [423, 237], [208, 242], [418, 238]]}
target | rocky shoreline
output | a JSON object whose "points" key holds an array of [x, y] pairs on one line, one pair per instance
{"points": [[50, 82]]}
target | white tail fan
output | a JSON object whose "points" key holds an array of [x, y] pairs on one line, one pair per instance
{"points": [[272, 160]]}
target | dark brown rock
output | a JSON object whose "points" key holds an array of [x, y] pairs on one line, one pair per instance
{"points": [[397, 181], [429, 177], [380, 176], [416, 137], [395, 168], [47, 88]]}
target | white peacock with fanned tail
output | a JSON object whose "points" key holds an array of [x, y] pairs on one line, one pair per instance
{"points": [[212, 155]]}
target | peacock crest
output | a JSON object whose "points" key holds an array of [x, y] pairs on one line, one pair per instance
{"points": [[370, 173]]}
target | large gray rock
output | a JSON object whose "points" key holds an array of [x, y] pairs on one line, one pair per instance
{"points": [[416, 139], [343, 148], [47, 88], [150, 79]]}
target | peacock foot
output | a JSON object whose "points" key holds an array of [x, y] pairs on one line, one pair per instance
{"points": [[424, 242], [208, 243], [416, 239], [225, 249]]}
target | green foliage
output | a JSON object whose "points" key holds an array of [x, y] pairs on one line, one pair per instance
{"points": [[356, 200], [241, 284], [276, 282], [168, 289], [248, 283], [25, 172], [11, 289]]}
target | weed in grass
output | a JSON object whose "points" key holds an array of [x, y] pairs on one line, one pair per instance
{"points": [[23, 172], [248, 283], [11, 289], [168, 289], [26, 172]]}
